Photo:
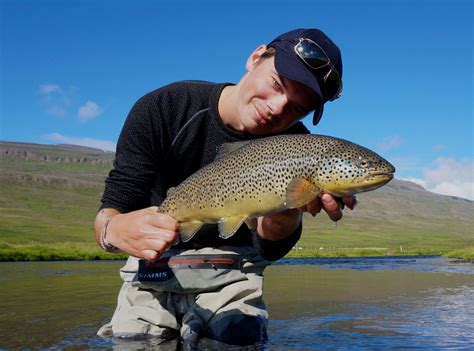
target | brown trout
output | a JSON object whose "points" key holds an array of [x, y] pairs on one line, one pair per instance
{"points": [[269, 175]]}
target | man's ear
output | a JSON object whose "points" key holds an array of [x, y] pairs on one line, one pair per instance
{"points": [[254, 57]]}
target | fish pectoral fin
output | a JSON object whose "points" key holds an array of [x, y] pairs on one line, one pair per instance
{"points": [[188, 229], [229, 225], [252, 223], [300, 191]]}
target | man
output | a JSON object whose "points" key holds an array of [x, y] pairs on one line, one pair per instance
{"points": [[171, 133]]}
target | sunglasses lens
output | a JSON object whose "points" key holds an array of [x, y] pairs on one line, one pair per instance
{"points": [[311, 54], [317, 59], [333, 86]]}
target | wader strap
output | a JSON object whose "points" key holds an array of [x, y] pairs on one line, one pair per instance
{"points": [[163, 268], [194, 271]]}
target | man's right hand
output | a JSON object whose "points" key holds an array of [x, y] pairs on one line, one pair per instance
{"points": [[143, 233]]}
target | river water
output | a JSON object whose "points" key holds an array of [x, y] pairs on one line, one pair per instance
{"points": [[314, 304]]}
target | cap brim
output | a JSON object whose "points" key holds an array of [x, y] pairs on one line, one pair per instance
{"points": [[318, 112], [289, 66]]}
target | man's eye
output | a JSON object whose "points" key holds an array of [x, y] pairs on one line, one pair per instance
{"points": [[300, 111], [276, 85]]}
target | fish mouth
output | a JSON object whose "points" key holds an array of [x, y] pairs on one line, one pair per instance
{"points": [[370, 181], [377, 176]]}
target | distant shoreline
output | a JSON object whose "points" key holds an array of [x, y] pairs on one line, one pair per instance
{"points": [[73, 252]]}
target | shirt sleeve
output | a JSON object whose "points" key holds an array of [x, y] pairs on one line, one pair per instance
{"points": [[273, 250], [137, 160]]}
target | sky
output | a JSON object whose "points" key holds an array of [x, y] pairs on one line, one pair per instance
{"points": [[71, 70]]}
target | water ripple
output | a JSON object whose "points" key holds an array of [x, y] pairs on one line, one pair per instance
{"points": [[414, 263], [442, 321]]}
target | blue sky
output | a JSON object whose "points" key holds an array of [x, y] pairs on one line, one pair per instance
{"points": [[71, 70]]}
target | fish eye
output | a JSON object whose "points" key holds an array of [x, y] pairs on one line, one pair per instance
{"points": [[361, 162]]}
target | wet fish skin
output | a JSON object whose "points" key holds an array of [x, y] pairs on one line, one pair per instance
{"points": [[269, 175]]}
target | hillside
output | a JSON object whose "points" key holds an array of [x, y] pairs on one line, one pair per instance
{"points": [[50, 195], [400, 214]]}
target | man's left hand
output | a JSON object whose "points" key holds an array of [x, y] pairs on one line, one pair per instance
{"points": [[329, 204]]}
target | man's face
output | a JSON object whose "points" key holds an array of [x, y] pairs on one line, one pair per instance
{"points": [[268, 103]]}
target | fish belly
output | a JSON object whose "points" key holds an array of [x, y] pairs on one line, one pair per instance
{"points": [[215, 208]]}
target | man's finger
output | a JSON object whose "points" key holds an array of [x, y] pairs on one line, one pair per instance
{"points": [[160, 220], [350, 201], [150, 255], [314, 207], [331, 207]]}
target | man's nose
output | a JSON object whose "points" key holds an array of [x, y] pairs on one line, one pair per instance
{"points": [[277, 103]]}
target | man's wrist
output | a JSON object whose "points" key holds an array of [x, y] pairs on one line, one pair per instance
{"points": [[279, 226], [103, 242]]}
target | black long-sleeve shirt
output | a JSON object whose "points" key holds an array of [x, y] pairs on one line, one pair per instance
{"points": [[169, 134]]}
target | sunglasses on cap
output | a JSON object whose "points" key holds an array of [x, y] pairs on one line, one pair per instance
{"points": [[316, 59]]}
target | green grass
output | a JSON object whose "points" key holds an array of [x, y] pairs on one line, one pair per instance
{"points": [[47, 214], [55, 252], [465, 254], [301, 252], [47, 210]]}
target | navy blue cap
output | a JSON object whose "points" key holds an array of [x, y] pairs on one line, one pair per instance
{"points": [[289, 65]]}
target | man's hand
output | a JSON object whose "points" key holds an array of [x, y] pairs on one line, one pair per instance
{"points": [[280, 225], [329, 204], [143, 233]]}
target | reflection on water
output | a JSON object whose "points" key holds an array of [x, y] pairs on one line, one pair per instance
{"points": [[324, 304], [441, 321], [412, 263], [360, 304]]}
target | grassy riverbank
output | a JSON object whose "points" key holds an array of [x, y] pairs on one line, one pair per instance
{"points": [[466, 254], [463, 254], [55, 252], [90, 251]]}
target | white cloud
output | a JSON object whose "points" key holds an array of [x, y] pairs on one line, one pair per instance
{"points": [[49, 88], [55, 99], [58, 102], [449, 176], [391, 142], [88, 111], [89, 142], [460, 189]]}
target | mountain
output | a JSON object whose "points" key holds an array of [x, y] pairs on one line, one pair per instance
{"points": [[68, 165], [55, 153], [50, 194]]}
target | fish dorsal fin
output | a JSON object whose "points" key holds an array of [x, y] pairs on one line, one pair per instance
{"points": [[188, 229], [300, 191], [227, 148], [170, 191], [229, 225]]}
